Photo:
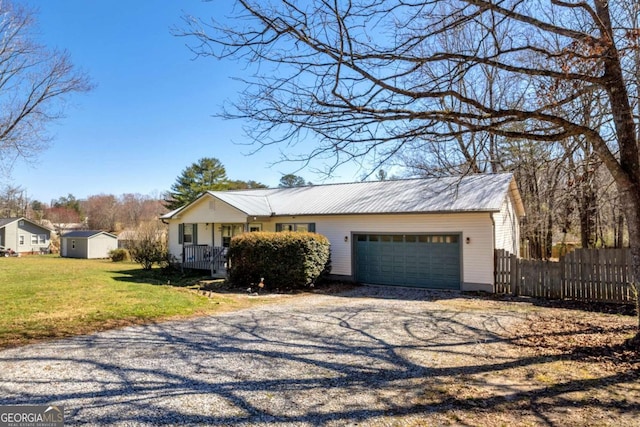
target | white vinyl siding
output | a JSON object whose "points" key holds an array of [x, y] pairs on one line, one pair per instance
{"points": [[207, 214], [479, 232], [507, 226], [201, 213], [97, 246], [100, 245], [477, 256], [175, 247], [205, 233]]}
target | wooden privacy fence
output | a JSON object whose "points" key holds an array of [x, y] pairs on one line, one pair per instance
{"points": [[592, 275]]}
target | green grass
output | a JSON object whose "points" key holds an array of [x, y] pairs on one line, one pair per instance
{"points": [[44, 297]]}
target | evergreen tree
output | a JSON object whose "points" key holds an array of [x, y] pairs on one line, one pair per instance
{"points": [[204, 175]]}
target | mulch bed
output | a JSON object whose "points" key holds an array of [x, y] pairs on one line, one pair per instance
{"points": [[207, 287]]}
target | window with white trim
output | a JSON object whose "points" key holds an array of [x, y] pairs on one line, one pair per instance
{"points": [[38, 239], [297, 226]]}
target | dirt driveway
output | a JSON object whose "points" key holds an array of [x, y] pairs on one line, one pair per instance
{"points": [[368, 356]]}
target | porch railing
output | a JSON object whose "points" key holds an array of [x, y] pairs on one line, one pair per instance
{"points": [[205, 257]]}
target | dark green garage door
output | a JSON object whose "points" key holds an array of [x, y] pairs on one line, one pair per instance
{"points": [[426, 261]]}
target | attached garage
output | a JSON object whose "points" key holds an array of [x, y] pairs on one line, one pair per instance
{"points": [[419, 260], [437, 233]]}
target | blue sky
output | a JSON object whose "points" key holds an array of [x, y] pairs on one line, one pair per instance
{"points": [[150, 114]]}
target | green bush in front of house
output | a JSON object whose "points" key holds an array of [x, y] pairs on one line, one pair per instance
{"points": [[119, 255], [283, 259]]}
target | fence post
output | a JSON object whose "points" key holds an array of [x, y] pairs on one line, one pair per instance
{"points": [[496, 271], [515, 273], [500, 271], [561, 276]]}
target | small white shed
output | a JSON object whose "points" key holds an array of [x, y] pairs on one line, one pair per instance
{"points": [[87, 244]]}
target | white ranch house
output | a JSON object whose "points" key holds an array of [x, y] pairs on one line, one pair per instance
{"points": [[432, 233]]}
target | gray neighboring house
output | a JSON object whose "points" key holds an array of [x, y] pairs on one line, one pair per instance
{"points": [[24, 236], [87, 244]]}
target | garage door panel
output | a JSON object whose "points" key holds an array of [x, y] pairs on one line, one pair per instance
{"points": [[430, 261]]}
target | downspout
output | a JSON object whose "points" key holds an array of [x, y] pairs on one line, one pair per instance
{"points": [[493, 245], [17, 249]]}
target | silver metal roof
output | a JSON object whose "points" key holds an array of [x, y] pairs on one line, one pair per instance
{"points": [[474, 193]]}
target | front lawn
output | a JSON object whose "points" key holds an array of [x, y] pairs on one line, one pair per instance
{"points": [[48, 297]]}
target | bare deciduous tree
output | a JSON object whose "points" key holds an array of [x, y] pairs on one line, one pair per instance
{"points": [[149, 245], [13, 202], [369, 77], [35, 82], [101, 211], [61, 216], [135, 209]]}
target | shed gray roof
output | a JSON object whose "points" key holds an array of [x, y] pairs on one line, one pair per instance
{"points": [[474, 193], [86, 234]]}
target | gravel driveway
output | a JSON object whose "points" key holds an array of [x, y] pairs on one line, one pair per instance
{"points": [[355, 358]]}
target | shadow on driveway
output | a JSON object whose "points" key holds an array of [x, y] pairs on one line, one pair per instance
{"points": [[317, 360]]}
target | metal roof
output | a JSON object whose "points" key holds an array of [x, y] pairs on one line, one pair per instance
{"points": [[87, 234], [253, 202], [473, 193]]}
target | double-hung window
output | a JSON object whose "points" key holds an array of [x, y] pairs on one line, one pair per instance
{"points": [[36, 239], [188, 234]]}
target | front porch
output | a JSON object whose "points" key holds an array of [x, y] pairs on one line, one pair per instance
{"points": [[205, 257]]}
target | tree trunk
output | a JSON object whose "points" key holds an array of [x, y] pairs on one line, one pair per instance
{"points": [[548, 240], [631, 206], [587, 212], [619, 230]]}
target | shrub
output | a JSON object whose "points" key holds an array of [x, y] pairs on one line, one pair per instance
{"points": [[119, 255], [283, 259], [149, 246]]}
